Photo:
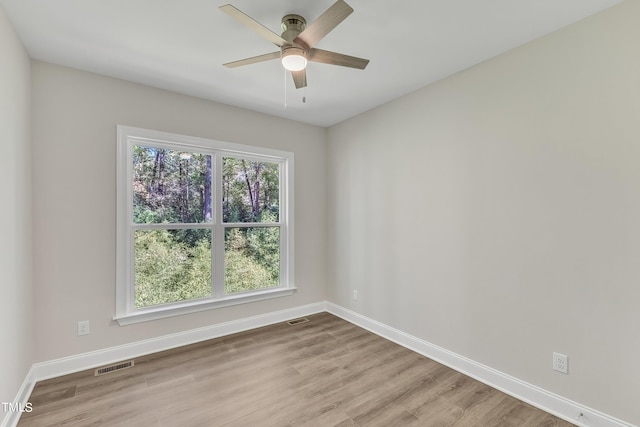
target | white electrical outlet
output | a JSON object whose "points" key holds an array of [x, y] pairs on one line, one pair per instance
{"points": [[83, 327], [561, 363], [355, 294]]}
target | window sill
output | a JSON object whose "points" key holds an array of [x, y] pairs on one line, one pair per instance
{"points": [[155, 313]]}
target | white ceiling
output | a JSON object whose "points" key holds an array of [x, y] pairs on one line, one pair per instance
{"points": [[180, 45]]}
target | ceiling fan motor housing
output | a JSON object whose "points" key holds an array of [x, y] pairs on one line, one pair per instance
{"points": [[292, 25]]}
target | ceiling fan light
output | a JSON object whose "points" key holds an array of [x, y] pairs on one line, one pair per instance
{"points": [[293, 59]]}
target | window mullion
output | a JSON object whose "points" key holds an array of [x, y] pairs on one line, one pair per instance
{"points": [[283, 219], [217, 246]]}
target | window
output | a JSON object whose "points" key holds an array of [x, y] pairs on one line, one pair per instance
{"points": [[201, 224]]}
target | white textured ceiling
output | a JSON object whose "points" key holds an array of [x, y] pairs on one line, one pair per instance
{"points": [[180, 45]]}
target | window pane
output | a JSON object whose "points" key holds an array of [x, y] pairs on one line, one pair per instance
{"points": [[251, 258], [172, 265], [250, 191], [170, 186]]}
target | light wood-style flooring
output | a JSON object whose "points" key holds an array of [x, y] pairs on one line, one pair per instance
{"points": [[325, 372]]}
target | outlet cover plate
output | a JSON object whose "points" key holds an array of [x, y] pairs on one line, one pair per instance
{"points": [[83, 327], [561, 363]]}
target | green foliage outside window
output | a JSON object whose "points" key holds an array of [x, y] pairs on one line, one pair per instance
{"points": [[252, 258], [173, 187], [168, 269]]}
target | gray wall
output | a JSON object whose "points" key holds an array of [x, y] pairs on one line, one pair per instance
{"points": [[74, 174], [496, 213], [16, 308]]}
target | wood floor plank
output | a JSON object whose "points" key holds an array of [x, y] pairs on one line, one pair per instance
{"points": [[324, 372]]}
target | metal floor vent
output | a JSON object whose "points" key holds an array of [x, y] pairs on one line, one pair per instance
{"points": [[112, 368], [296, 321]]}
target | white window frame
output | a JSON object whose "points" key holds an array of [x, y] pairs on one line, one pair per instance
{"points": [[127, 137]]}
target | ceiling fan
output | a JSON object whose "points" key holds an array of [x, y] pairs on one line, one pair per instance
{"points": [[297, 41]]}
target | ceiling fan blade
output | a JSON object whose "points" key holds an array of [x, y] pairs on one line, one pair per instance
{"points": [[324, 24], [299, 78], [253, 60], [328, 57], [253, 25]]}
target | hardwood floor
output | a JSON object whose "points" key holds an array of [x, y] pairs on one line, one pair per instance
{"points": [[325, 372]]}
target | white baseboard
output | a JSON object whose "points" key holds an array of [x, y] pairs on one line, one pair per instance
{"points": [[93, 359], [552, 403], [11, 418], [547, 401]]}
